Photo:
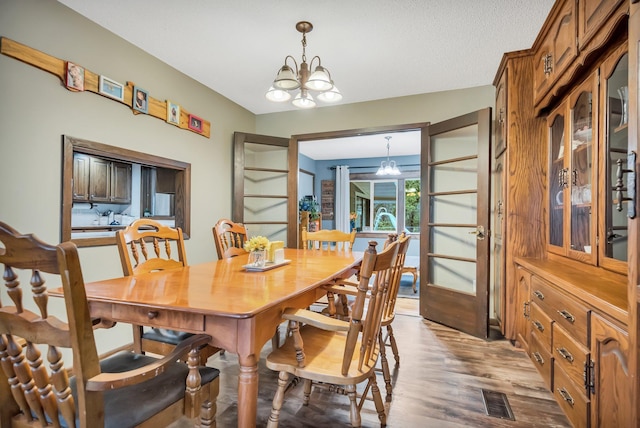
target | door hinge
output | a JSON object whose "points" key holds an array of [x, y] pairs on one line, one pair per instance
{"points": [[589, 377]]}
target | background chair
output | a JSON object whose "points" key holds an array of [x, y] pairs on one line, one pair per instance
{"points": [[328, 239], [334, 353], [123, 390], [229, 238], [147, 246]]}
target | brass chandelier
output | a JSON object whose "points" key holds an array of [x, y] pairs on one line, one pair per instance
{"points": [[289, 80]]}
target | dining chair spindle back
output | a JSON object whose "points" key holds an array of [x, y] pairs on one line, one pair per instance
{"points": [[229, 238], [336, 354], [148, 246], [113, 392]]}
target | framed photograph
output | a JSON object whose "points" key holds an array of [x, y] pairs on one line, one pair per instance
{"points": [[195, 123], [75, 77], [111, 88], [173, 113], [140, 100]]}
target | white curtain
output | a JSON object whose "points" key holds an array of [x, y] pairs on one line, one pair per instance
{"points": [[341, 213]]}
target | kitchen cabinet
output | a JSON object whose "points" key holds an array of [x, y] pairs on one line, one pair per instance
{"points": [[80, 177], [97, 179]]}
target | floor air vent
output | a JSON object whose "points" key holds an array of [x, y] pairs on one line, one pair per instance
{"points": [[497, 405]]}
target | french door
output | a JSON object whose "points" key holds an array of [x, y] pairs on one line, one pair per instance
{"points": [[264, 186], [454, 245]]}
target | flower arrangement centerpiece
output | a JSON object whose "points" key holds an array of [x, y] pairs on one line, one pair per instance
{"points": [[257, 248]]}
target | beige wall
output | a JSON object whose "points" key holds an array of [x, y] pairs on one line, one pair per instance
{"points": [[36, 110], [433, 108]]}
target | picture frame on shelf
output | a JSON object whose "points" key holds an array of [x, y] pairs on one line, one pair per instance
{"points": [[140, 100], [173, 113], [195, 123], [74, 77], [111, 88]]}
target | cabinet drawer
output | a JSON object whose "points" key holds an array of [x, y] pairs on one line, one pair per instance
{"points": [[571, 399], [570, 355], [541, 357], [159, 318], [541, 325], [570, 314]]}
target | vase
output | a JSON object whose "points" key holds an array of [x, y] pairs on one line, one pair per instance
{"points": [[257, 258]]}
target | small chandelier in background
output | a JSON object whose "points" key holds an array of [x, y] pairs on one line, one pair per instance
{"points": [[288, 80], [388, 167]]}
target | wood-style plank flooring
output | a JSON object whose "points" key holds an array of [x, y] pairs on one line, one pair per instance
{"points": [[438, 384]]}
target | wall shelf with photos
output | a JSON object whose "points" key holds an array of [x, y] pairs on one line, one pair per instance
{"points": [[78, 79]]}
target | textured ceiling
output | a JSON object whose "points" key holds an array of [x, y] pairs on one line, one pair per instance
{"points": [[374, 49]]}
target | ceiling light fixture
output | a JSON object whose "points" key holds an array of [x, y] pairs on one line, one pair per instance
{"points": [[388, 167], [288, 80]]}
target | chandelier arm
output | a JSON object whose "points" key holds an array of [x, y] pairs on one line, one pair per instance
{"points": [[294, 62]]}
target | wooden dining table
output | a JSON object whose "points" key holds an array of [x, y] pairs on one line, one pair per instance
{"points": [[239, 309]]}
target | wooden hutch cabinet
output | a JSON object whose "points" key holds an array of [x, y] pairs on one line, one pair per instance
{"points": [[566, 191]]}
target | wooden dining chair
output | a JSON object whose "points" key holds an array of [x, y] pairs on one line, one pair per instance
{"points": [[229, 238], [328, 239], [349, 291], [335, 354], [123, 390], [148, 246]]}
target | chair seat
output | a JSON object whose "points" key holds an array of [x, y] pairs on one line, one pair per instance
{"points": [[327, 348], [172, 337], [122, 406]]}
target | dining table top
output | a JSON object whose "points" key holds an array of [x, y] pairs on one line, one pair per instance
{"points": [[225, 287]]}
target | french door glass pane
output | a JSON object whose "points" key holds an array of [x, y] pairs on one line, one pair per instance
{"points": [[456, 274], [265, 183], [265, 156], [454, 242], [453, 176], [456, 208]]}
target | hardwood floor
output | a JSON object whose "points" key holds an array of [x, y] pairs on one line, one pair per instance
{"points": [[438, 384]]}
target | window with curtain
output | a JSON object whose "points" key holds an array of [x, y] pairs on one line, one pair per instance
{"points": [[385, 205]]}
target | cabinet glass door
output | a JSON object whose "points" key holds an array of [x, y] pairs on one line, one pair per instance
{"points": [[616, 101], [557, 179], [582, 131]]}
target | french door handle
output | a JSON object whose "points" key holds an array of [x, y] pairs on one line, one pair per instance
{"points": [[479, 232]]}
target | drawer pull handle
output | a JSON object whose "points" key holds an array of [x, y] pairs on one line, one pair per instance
{"points": [[567, 315], [538, 358], [538, 325], [152, 314], [565, 354], [538, 294], [566, 396]]}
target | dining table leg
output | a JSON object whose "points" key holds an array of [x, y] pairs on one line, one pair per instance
{"points": [[247, 391]]}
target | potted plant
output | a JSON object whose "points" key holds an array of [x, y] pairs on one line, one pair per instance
{"points": [[310, 205]]}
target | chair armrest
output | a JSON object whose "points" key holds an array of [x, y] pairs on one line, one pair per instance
{"points": [[346, 287], [108, 381], [315, 319]]}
